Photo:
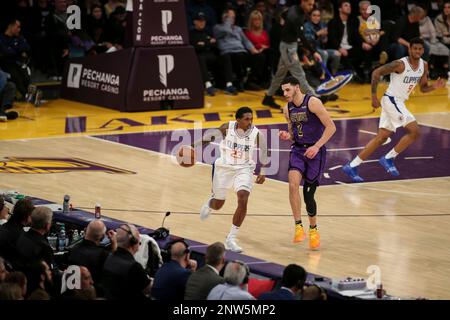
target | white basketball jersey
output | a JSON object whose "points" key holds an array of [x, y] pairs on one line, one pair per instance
{"points": [[237, 149], [402, 84]]}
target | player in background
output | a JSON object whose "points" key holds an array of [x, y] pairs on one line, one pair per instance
{"points": [[405, 74]]}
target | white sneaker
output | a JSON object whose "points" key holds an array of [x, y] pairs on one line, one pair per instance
{"points": [[231, 244], [205, 211]]}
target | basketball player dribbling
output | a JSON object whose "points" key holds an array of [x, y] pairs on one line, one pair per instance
{"points": [[234, 168], [405, 73], [310, 127]]}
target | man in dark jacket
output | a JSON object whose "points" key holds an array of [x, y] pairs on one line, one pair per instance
{"points": [[292, 282], [33, 246], [122, 276], [170, 279], [208, 58], [14, 53], [343, 36], [207, 277], [89, 253], [291, 33], [13, 228]]}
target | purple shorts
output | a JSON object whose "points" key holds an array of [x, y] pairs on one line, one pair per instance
{"points": [[311, 169]]}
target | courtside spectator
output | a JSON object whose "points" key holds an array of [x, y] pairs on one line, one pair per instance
{"points": [[207, 277], [170, 279], [292, 282], [236, 277], [13, 228], [33, 245], [90, 253], [122, 276]]}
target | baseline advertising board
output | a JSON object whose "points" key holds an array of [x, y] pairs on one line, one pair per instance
{"points": [[159, 23], [165, 74], [100, 80]]}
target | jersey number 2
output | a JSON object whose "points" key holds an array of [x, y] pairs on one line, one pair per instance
{"points": [[299, 130]]}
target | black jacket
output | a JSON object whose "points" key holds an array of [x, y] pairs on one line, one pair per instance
{"points": [[9, 234], [123, 277], [336, 32], [89, 255], [32, 247], [292, 30], [201, 41]]}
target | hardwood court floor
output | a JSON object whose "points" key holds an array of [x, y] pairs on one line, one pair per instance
{"points": [[400, 225]]}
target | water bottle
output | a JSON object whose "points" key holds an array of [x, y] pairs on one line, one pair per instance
{"points": [[75, 236], [98, 213], [62, 238], [66, 204]]}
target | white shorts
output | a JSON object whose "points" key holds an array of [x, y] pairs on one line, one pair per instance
{"points": [[394, 114], [225, 177]]}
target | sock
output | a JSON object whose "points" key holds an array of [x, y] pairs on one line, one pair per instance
{"points": [[391, 154], [298, 222], [313, 227], [356, 162], [233, 232], [208, 84], [208, 203], [229, 84]]}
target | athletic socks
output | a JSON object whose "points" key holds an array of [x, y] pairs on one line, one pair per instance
{"points": [[391, 154], [356, 162], [233, 232], [298, 222]]}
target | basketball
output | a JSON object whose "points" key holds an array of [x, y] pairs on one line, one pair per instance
{"points": [[186, 156]]}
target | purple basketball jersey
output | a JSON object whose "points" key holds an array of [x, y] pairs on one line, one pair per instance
{"points": [[306, 126], [307, 129]]}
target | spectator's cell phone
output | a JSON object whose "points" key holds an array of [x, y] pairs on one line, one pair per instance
{"points": [[105, 241]]}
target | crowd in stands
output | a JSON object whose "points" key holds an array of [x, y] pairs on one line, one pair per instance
{"points": [[237, 41], [32, 269]]}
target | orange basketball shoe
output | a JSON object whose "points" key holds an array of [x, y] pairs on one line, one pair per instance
{"points": [[299, 234], [314, 238]]}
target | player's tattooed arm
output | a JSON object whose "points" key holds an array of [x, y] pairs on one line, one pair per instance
{"points": [[211, 136], [395, 66]]}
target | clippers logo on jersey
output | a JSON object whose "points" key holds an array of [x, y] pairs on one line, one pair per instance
{"points": [[410, 80], [237, 146], [26, 165]]}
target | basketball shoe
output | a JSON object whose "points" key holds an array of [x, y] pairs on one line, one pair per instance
{"points": [[299, 233], [352, 173], [314, 238], [388, 165], [231, 244]]}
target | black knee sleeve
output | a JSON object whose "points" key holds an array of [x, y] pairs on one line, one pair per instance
{"points": [[308, 197]]}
